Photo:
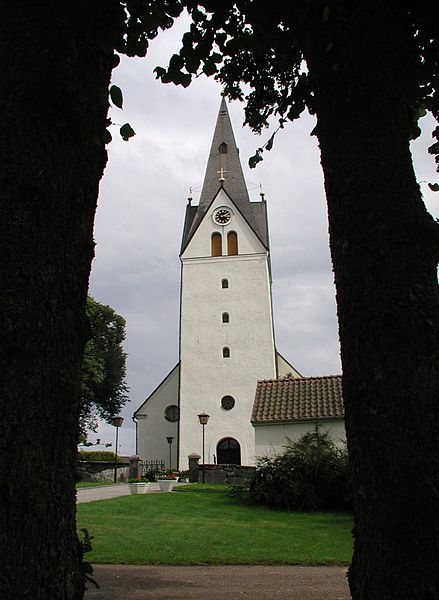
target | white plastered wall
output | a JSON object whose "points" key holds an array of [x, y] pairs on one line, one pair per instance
{"points": [[271, 438], [153, 428], [205, 375], [284, 367]]}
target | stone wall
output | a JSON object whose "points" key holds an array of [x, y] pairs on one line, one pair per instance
{"points": [[228, 474], [101, 471]]}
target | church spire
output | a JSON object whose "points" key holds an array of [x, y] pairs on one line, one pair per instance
{"points": [[223, 165], [224, 171]]}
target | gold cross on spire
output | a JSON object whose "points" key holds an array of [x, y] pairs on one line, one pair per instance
{"points": [[221, 174]]}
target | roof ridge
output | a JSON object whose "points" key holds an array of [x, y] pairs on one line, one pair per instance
{"points": [[299, 378]]}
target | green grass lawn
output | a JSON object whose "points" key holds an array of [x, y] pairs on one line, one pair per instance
{"points": [[202, 525]]}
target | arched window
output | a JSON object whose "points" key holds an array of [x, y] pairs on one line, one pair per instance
{"points": [[228, 451], [222, 148], [225, 317], [232, 243], [224, 284], [216, 245], [226, 352]]}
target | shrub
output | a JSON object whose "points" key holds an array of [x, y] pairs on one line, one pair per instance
{"points": [[98, 455], [150, 475], [311, 474]]}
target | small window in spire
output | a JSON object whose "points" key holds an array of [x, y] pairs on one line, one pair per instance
{"points": [[223, 148], [225, 284], [225, 317], [226, 352]]}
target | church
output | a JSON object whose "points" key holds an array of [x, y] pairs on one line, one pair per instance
{"points": [[226, 342]]}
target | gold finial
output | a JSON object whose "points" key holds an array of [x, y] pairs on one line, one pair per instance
{"points": [[261, 192], [221, 174], [189, 199]]}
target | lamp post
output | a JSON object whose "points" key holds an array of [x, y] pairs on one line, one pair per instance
{"points": [[203, 418], [117, 422], [169, 439]]}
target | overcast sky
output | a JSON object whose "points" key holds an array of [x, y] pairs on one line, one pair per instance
{"points": [[140, 218]]}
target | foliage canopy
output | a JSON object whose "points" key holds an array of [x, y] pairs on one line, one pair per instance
{"points": [[259, 46], [103, 386]]}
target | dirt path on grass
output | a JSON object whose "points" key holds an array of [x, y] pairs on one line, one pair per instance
{"points": [[132, 582]]}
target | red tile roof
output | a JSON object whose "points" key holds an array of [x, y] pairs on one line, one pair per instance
{"points": [[294, 399]]}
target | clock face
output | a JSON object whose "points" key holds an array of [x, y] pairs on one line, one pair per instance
{"points": [[222, 216]]}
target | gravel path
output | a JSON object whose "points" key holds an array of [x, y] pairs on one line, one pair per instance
{"points": [[132, 582]]}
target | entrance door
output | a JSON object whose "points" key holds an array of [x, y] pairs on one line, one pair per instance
{"points": [[228, 451]]}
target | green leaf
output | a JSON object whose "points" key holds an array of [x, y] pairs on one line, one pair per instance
{"points": [[209, 68], [159, 72], [253, 160], [106, 137], [115, 61], [220, 38], [126, 132], [116, 96], [434, 187], [174, 9], [192, 63], [187, 39], [167, 77], [269, 144], [185, 80], [176, 62]]}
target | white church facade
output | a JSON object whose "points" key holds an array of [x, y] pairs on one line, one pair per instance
{"points": [[226, 323]]}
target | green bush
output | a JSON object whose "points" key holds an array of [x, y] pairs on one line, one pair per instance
{"points": [[311, 474], [98, 455]]}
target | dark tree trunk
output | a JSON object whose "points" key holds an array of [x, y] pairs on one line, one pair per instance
{"points": [[385, 248], [55, 59]]}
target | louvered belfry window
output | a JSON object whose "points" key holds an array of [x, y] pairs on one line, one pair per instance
{"points": [[232, 243], [216, 245]]}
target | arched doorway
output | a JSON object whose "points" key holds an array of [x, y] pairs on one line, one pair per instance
{"points": [[228, 451]]}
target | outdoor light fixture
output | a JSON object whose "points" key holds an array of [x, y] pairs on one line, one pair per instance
{"points": [[169, 440], [117, 422], [203, 418]]}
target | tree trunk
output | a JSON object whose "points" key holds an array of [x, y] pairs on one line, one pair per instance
{"points": [[56, 59], [385, 248]]}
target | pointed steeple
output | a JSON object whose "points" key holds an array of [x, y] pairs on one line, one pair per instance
{"points": [[224, 171], [223, 165]]}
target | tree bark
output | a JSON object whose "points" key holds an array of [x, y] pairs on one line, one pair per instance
{"points": [[56, 59], [385, 248]]}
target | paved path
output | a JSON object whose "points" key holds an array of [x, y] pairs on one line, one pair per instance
{"points": [[111, 491], [102, 493], [132, 582]]}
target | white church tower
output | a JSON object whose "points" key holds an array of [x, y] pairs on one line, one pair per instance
{"points": [[226, 321]]}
